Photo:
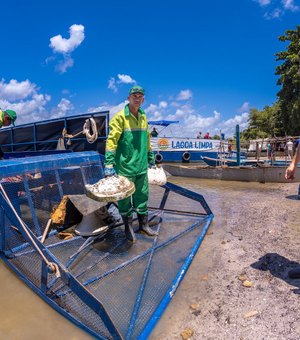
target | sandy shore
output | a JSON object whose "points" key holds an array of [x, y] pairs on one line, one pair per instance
{"points": [[237, 287]]}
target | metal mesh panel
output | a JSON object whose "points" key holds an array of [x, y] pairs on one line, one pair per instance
{"points": [[29, 262], [164, 267], [81, 312], [118, 292], [173, 202]]}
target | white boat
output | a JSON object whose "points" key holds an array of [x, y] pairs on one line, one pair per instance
{"points": [[183, 149]]}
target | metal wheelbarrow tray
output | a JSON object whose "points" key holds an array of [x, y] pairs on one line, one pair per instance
{"points": [[108, 286]]}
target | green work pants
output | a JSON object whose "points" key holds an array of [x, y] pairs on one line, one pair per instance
{"points": [[138, 201]]}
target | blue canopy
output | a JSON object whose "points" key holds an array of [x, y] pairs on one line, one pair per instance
{"points": [[162, 122]]}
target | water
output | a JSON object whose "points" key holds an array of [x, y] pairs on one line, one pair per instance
{"points": [[25, 316]]}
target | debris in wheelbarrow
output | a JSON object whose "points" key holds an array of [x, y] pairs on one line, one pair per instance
{"points": [[110, 189]]}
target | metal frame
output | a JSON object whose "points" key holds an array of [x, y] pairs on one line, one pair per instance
{"points": [[11, 130], [12, 167]]}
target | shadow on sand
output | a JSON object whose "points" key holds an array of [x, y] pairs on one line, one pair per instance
{"points": [[293, 197], [278, 266]]}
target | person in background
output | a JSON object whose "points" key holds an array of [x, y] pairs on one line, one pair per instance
{"points": [[206, 136], [154, 132], [281, 147], [199, 136], [7, 117], [289, 148], [290, 175], [269, 150], [291, 169], [229, 150], [128, 153], [296, 143]]}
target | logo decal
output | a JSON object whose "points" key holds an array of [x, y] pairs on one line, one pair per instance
{"points": [[163, 143]]}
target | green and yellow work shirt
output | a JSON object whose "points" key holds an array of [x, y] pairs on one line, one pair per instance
{"points": [[1, 118], [128, 146]]}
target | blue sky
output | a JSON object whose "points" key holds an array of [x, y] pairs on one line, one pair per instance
{"points": [[202, 62]]}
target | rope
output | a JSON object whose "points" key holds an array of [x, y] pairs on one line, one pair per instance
{"points": [[89, 125], [53, 267]]}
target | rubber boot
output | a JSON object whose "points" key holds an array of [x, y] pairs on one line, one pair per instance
{"points": [[294, 273], [129, 233], [144, 225]]}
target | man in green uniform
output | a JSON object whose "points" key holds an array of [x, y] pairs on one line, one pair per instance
{"points": [[7, 117], [128, 153]]}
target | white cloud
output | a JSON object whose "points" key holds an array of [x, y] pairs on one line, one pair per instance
{"points": [[274, 14], [66, 46], [289, 5], [125, 79], [113, 109], [152, 108], [113, 84], [244, 108], [15, 90], [191, 121], [63, 107], [163, 104], [184, 95], [30, 110], [23, 97], [237, 119], [64, 64], [30, 105], [263, 2], [229, 125], [277, 8]]}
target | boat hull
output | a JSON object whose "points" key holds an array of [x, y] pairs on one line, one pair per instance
{"points": [[230, 161], [185, 156], [262, 174]]}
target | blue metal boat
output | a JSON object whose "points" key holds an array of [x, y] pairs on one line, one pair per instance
{"points": [[60, 135], [230, 161]]}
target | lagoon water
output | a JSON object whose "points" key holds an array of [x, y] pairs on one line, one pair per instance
{"points": [[25, 316]]}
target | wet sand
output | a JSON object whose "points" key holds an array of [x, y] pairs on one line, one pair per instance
{"points": [[255, 234]]}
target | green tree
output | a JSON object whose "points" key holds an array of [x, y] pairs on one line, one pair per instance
{"points": [[288, 114], [262, 123]]}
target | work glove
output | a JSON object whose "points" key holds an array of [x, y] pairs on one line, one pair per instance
{"points": [[109, 171]]}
